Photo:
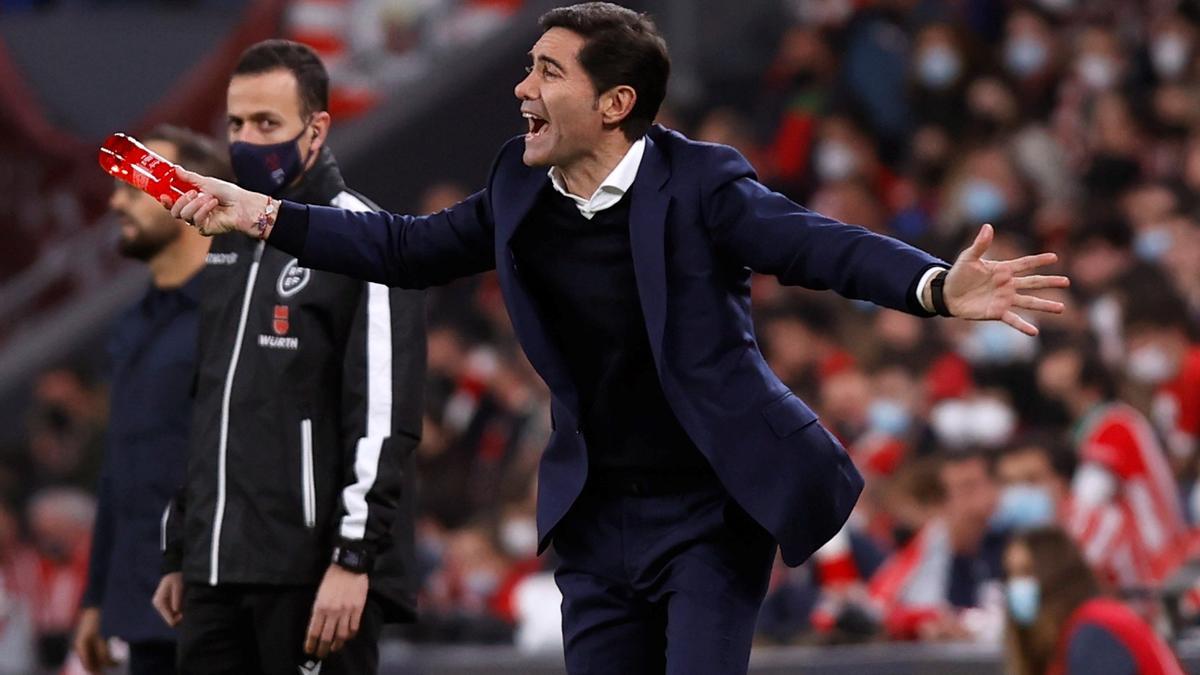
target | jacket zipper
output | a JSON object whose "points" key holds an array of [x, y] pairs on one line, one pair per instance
{"points": [[223, 443], [308, 490]]}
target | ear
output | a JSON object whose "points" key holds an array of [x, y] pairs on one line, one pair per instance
{"points": [[617, 103], [319, 130]]}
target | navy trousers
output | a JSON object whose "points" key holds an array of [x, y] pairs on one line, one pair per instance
{"points": [[152, 658], [660, 581]]}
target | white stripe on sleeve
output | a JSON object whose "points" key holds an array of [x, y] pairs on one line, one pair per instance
{"points": [[378, 397]]}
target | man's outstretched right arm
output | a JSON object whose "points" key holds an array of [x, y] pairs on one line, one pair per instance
{"points": [[397, 250]]}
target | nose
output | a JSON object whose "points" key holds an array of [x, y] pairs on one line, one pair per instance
{"points": [[525, 89], [115, 199], [240, 134]]}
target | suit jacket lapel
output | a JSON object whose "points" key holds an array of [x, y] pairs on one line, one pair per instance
{"points": [[513, 198], [647, 233]]}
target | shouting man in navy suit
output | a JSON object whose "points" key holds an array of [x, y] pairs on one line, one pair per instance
{"points": [[624, 251]]}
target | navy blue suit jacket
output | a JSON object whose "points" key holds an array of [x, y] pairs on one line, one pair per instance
{"points": [[699, 223]]}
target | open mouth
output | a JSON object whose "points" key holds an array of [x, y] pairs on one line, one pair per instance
{"points": [[537, 125]]}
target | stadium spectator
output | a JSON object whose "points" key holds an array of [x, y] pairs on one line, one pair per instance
{"points": [[65, 431], [926, 590], [1033, 474], [1060, 624], [1125, 508], [1161, 355], [60, 525]]}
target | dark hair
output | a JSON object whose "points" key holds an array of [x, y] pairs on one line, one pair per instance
{"points": [[1060, 457], [621, 47], [1151, 301], [1066, 582], [1093, 373], [312, 81], [194, 151]]}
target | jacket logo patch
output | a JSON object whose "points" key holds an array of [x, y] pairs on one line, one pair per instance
{"points": [[279, 342], [221, 258], [292, 279], [279, 322]]}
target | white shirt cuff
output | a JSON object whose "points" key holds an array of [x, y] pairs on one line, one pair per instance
{"points": [[925, 279]]}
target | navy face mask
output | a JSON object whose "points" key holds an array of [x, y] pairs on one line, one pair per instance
{"points": [[267, 168]]}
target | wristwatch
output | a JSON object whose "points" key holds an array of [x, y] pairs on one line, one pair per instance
{"points": [[353, 559], [937, 293]]}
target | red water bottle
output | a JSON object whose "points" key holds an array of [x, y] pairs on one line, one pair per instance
{"points": [[123, 157]]}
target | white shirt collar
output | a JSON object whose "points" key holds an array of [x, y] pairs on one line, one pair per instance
{"points": [[612, 188]]}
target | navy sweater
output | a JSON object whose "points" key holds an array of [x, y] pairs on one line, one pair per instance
{"points": [[581, 274]]}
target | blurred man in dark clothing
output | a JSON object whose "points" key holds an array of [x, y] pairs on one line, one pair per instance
{"points": [[153, 351]]}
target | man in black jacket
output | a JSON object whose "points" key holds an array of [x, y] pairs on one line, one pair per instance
{"points": [[307, 411], [153, 352]]}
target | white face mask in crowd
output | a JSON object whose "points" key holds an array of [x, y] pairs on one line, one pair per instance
{"points": [[1024, 599], [1152, 243], [1025, 56], [519, 537], [1023, 506], [982, 201], [939, 67], [1098, 72], [995, 343], [984, 422], [835, 161], [1170, 54], [1057, 6], [888, 416], [1150, 364]]}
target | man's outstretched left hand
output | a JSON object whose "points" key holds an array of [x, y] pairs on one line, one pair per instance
{"points": [[987, 290]]}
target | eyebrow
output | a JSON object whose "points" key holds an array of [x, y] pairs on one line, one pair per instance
{"points": [[254, 116], [547, 59]]}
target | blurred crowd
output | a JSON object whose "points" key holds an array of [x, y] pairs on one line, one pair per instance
{"points": [[1072, 126]]}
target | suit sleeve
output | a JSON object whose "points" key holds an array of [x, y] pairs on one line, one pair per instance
{"points": [[383, 384], [100, 556], [771, 234]]}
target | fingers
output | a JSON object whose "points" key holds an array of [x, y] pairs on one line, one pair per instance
{"points": [[1030, 262], [1020, 324], [180, 202], [103, 656], [87, 655], [355, 618], [341, 634], [201, 215], [1038, 304], [190, 176], [175, 600], [347, 628], [168, 601], [327, 635], [189, 210], [316, 625], [1035, 282], [980, 246], [160, 605]]}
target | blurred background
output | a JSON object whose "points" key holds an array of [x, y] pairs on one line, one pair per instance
{"points": [[1072, 125]]}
